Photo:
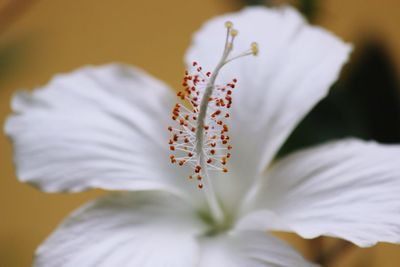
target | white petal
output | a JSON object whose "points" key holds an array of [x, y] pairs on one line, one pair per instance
{"points": [[95, 127], [296, 65], [347, 189], [249, 249], [138, 229]]}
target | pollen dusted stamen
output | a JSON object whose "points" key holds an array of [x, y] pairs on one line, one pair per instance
{"points": [[215, 130], [201, 138]]}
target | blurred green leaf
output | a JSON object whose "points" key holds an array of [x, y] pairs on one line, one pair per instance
{"points": [[309, 8], [12, 55], [364, 104], [254, 2]]}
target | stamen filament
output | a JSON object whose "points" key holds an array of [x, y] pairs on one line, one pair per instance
{"points": [[202, 136], [247, 53], [209, 190]]}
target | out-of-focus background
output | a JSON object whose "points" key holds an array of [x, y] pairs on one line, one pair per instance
{"points": [[39, 38]]}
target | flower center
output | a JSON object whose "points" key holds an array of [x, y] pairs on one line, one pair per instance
{"points": [[200, 137], [216, 227]]}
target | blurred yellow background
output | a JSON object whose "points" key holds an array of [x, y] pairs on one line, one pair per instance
{"points": [[45, 37]]}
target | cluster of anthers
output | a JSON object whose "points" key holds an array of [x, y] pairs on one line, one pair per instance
{"points": [[200, 137]]}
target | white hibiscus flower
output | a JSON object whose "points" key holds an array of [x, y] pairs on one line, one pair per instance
{"points": [[106, 127]]}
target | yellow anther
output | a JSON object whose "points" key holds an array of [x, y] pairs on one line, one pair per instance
{"points": [[234, 32], [254, 48], [228, 24]]}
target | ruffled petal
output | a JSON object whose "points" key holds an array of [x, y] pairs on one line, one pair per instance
{"points": [[347, 189], [296, 65], [134, 229], [250, 249], [103, 127]]}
